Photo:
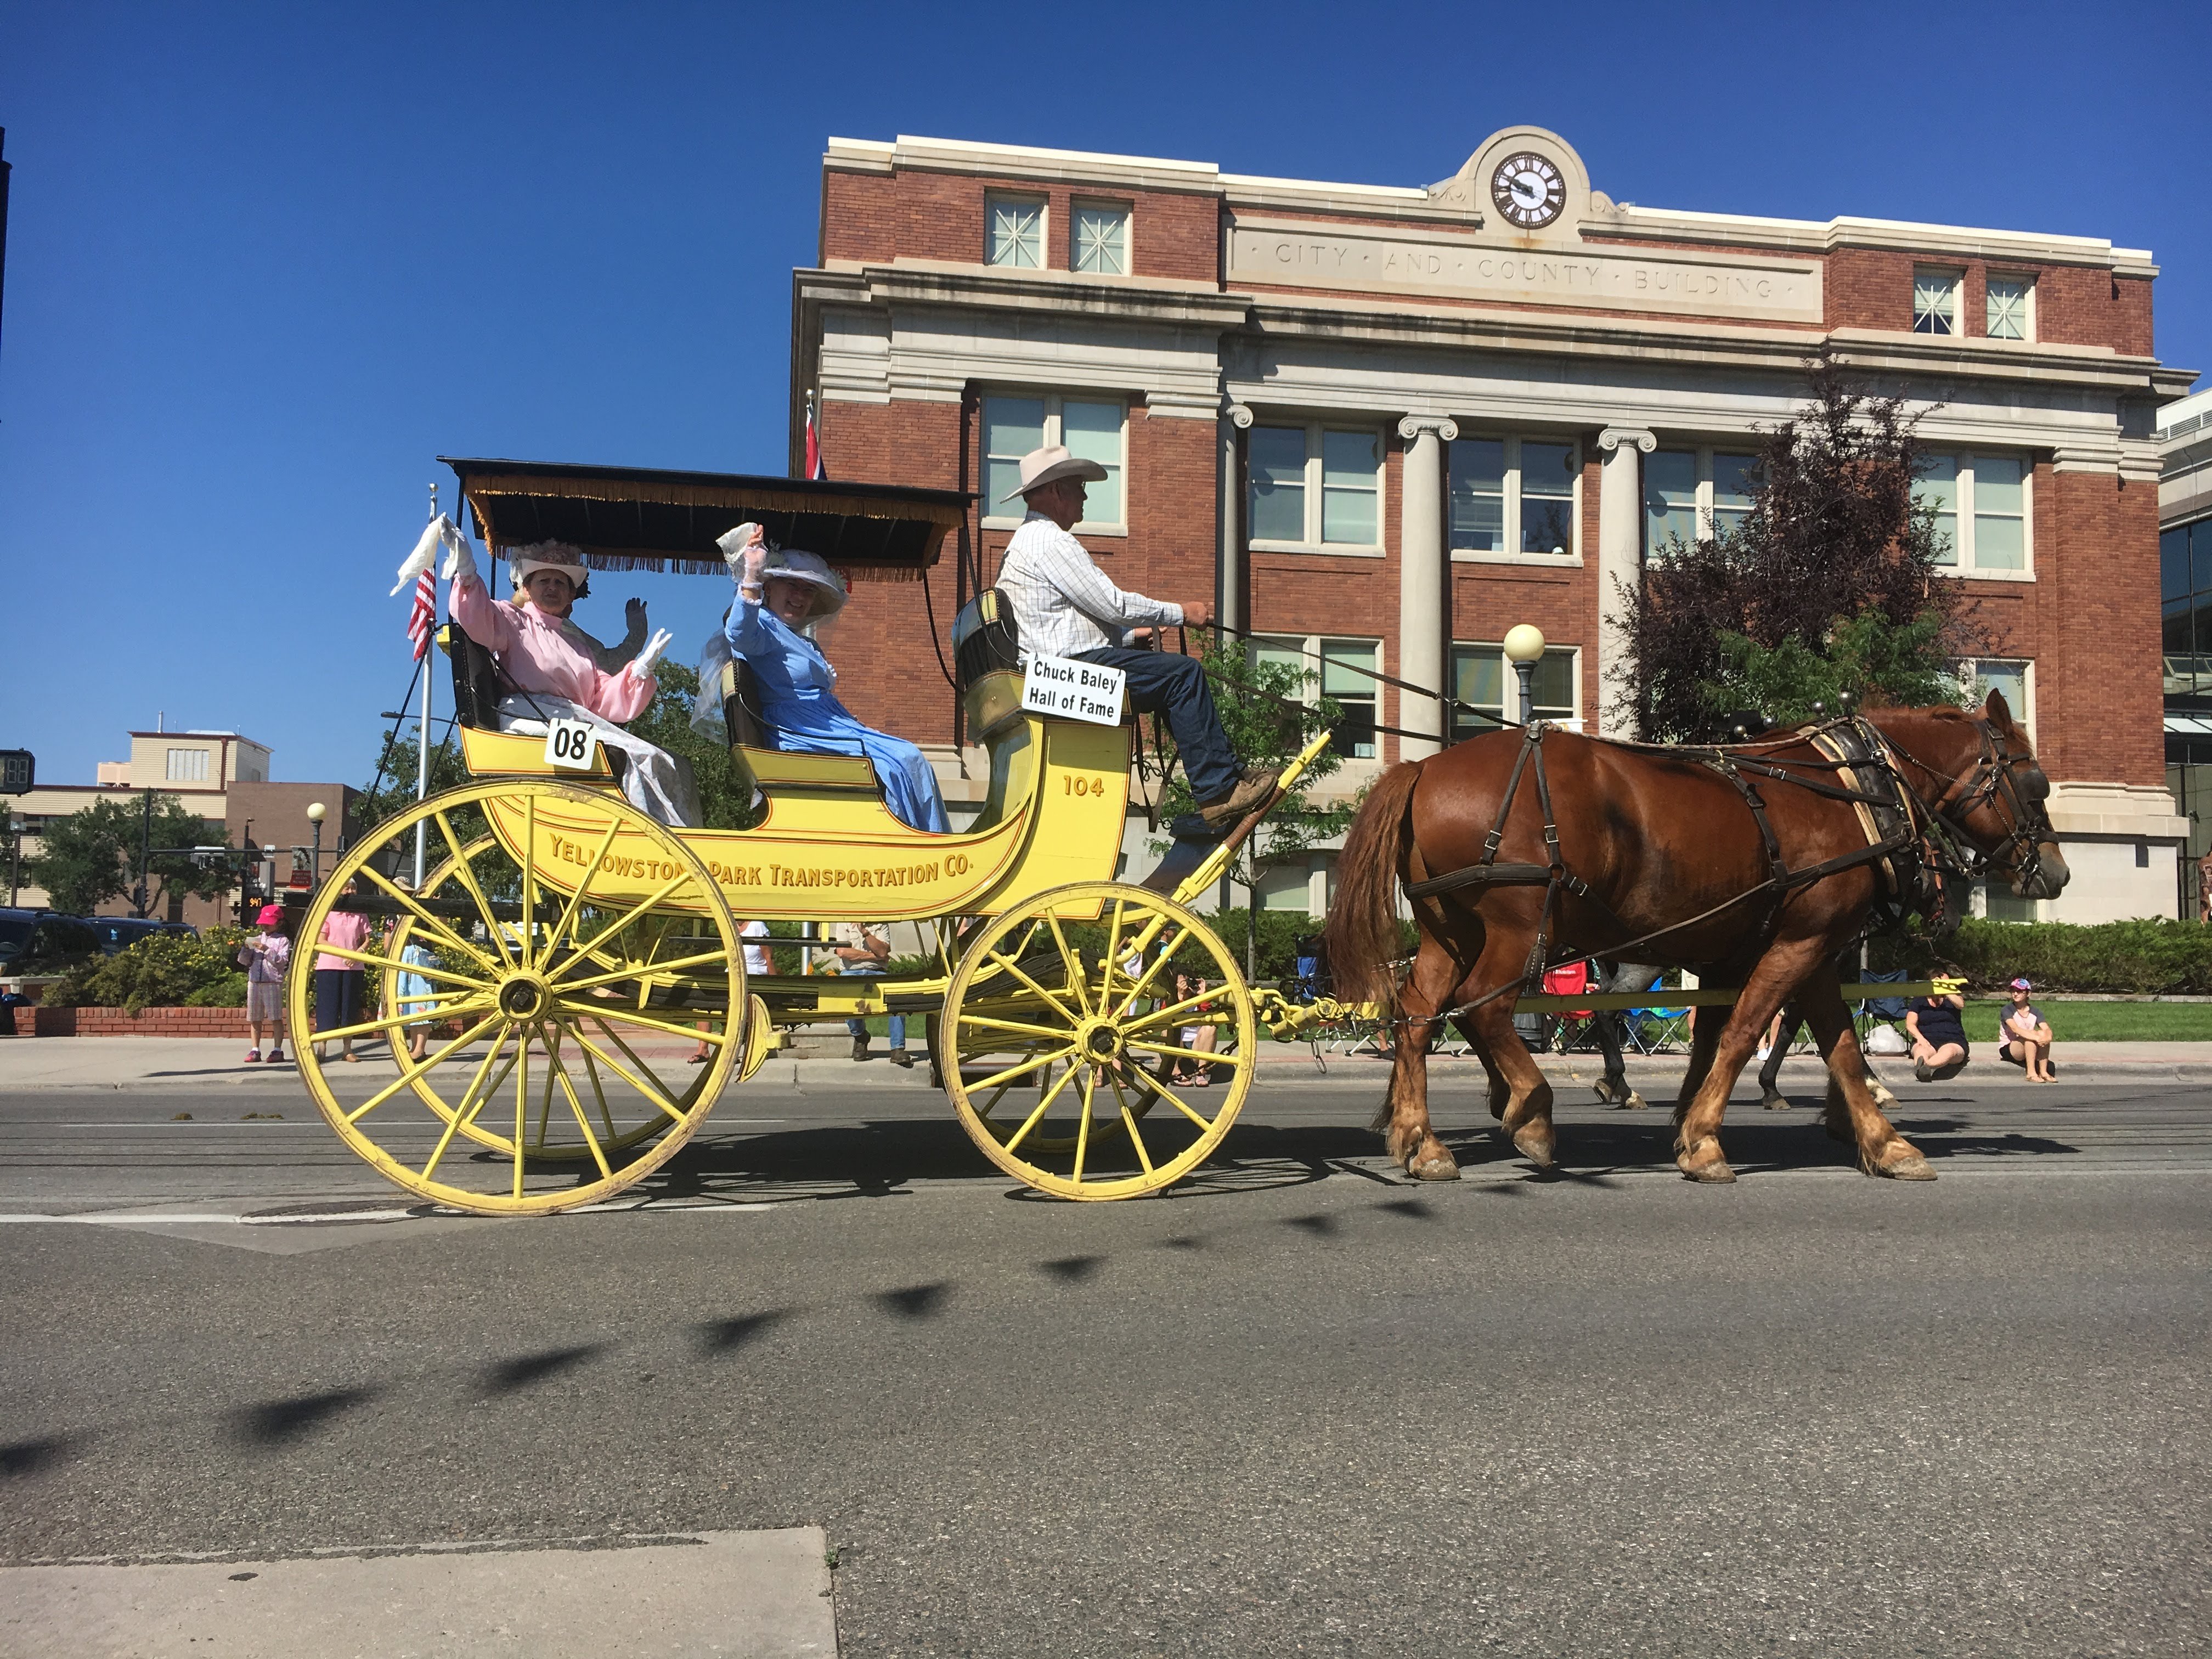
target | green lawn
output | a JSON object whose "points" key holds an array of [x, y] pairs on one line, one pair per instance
{"points": [[2104, 1022]]}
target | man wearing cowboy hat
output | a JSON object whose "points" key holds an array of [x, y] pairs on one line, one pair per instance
{"points": [[552, 676], [1065, 606]]}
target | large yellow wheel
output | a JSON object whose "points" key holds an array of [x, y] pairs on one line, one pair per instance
{"points": [[483, 866], [556, 1073], [1054, 1036]]}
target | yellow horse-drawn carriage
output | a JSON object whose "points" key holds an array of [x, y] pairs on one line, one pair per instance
{"points": [[574, 954]]}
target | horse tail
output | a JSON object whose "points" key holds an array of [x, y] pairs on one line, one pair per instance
{"points": [[1362, 935]]}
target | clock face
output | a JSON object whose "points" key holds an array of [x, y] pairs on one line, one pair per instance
{"points": [[1527, 189]]}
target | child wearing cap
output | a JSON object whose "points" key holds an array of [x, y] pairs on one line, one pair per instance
{"points": [[2025, 1039], [265, 958]]}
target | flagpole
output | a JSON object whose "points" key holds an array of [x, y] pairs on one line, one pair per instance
{"points": [[429, 679]]}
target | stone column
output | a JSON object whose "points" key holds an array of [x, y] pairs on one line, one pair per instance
{"points": [[1424, 584], [1619, 553], [1229, 598]]}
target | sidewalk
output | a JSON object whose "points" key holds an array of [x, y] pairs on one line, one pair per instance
{"points": [[28, 1063]]}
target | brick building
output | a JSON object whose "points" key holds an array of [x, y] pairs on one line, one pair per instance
{"points": [[1381, 425]]}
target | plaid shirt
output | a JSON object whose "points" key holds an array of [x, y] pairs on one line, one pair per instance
{"points": [[1063, 603]]}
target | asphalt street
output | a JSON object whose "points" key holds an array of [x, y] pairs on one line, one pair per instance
{"points": [[1296, 1405]]}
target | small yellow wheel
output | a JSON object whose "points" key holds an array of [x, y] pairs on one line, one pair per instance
{"points": [[1091, 1008], [554, 1075]]}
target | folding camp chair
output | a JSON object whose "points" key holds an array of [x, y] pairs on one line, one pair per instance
{"points": [[1877, 1010], [1655, 1030], [1571, 1029]]}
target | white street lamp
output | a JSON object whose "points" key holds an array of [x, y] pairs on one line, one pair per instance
{"points": [[1524, 649]]}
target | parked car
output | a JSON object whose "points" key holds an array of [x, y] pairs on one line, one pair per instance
{"points": [[15, 926], [118, 933]]}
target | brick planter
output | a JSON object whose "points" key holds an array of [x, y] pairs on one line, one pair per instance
{"points": [[153, 1022]]}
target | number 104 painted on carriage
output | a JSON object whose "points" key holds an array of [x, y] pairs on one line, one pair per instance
{"points": [[1073, 690]]}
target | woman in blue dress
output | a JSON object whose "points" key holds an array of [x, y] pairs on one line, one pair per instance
{"points": [[779, 592]]}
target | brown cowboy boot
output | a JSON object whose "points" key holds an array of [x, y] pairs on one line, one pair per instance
{"points": [[1255, 789]]}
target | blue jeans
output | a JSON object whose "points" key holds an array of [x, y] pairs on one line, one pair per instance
{"points": [[1166, 682], [859, 1027]]}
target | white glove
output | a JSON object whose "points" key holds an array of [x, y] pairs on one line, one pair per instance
{"points": [[460, 563], [642, 663], [735, 543]]}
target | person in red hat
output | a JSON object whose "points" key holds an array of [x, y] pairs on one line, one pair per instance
{"points": [[265, 958]]}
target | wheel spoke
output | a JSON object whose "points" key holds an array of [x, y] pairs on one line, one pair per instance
{"points": [[576, 898], [384, 1023], [466, 872], [1057, 1005], [526, 947], [1022, 1070], [1177, 1102], [370, 958], [576, 1106], [429, 919], [1166, 1015], [986, 1022], [1113, 951], [1042, 1106], [545, 1099], [1083, 1123], [1214, 1056], [470, 1104], [521, 1108], [1129, 1122], [1166, 955], [616, 1010], [645, 904], [1072, 962], [591, 1072], [415, 1068], [572, 985], [621, 1071]]}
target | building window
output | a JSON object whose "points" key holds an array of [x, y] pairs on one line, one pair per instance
{"points": [[1287, 886], [1981, 510], [1979, 676], [1341, 669], [2007, 312], [188, 766], [1013, 232], [1936, 302], [1102, 241], [1514, 495], [1092, 431], [1481, 677], [1694, 495], [2185, 585], [1312, 486]]}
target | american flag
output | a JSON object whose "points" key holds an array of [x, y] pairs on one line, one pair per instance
{"points": [[814, 467], [423, 618]]}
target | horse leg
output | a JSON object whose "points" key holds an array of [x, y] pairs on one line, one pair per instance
{"points": [[1500, 1095], [1704, 1037], [1772, 978], [1527, 1117], [1769, 1095], [1612, 1089], [1853, 1114], [1408, 1138]]}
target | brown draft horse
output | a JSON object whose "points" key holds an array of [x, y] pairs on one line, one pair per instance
{"points": [[1652, 847]]}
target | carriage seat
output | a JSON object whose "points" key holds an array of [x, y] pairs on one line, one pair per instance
{"points": [[477, 688], [987, 656], [776, 771]]}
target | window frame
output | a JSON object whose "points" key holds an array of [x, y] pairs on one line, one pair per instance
{"points": [[2026, 717], [1309, 647], [1963, 551], [2027, 284], [1702, 500], [1315, 432], [995, 199], [996, 517], [1512, 516], [1125, 212], [172, 775], [1957, 281], [1511, 683]]}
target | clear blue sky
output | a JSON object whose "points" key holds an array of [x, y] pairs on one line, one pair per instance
{"points": [[264, 261]]}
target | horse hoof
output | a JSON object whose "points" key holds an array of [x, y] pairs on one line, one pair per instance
{"points": [[1535, 1145], [1710, 1166], [1774, 1102], [1910, 1166], [1440, 1168], [1635, 1102]]}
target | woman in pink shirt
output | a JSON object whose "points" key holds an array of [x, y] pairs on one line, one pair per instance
{"points": [[340, 980], [553, 678]]}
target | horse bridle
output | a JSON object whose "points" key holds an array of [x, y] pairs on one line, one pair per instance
{"points": [[1991, 781]]}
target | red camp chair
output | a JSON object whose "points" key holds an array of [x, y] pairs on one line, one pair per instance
{"points": [[1571, 1029]]}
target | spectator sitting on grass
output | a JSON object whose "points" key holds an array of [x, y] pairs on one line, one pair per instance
{"points": [[1938, 1035], [2024, 1039]]}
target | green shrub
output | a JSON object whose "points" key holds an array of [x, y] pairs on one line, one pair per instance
{"points": [[229, 991], [162, 972], [2144, 957]]}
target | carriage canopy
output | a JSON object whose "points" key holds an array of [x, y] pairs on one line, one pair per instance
{"points": [[642, 518]]}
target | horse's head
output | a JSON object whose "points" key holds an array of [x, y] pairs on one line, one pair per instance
{"points": [[1978, 774]]}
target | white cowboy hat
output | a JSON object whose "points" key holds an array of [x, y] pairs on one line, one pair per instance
{"points": [[791, 565], [549, 555], [1049, 465]]}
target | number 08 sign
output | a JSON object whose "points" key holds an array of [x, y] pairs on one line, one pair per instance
{"points": [[571, 745]]}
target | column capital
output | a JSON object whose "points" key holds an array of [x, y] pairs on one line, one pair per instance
{"points": [[1614, 436], [1414, 426], [1240, 417]]}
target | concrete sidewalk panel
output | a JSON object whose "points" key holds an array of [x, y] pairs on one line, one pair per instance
{"points": [[765, 1594]]}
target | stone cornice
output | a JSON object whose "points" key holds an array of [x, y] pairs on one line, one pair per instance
{"points": [[1055, 291]]}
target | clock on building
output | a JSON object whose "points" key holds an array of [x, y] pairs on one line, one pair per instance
{"points": [[1527, 189]]}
